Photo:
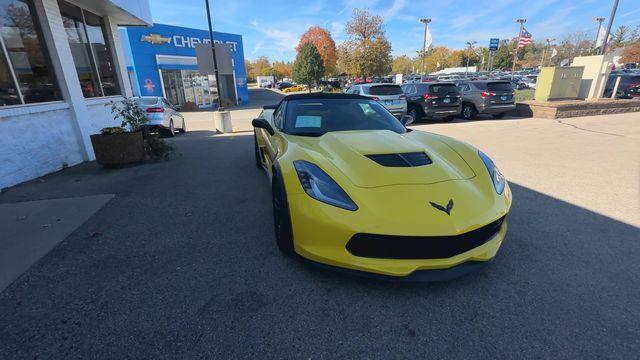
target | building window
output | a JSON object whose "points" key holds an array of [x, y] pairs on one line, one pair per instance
{"points": [[90, 51], [26, 74]]}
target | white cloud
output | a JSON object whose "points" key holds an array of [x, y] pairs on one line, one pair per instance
{"points": [[395, 8], [283, 40]]}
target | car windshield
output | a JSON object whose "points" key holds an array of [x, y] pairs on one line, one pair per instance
{"points": [[146, 101], [315, 117], [385, 90]]}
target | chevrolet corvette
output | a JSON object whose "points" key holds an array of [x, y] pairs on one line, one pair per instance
{"points": [[354, 189]]}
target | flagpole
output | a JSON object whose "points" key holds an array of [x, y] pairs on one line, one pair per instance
{"points": [[424, 44], [515, 52], [606, 34]]}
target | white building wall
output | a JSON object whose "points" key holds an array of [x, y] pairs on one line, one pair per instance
{"points": [[42, 138], [35, 143]]}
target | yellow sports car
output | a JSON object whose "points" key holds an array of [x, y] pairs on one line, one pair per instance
{"points": [[294, 88], [354, 189]]}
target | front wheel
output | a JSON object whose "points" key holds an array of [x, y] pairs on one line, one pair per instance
{"points": [[469, 111], [281, 219]]}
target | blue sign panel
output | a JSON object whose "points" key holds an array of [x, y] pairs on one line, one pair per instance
{"points": [[494, 43], [147, 45]]}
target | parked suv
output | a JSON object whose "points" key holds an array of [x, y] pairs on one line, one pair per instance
{"points": [[486, 97], [390, 96], [432, 100], [628, 88]]}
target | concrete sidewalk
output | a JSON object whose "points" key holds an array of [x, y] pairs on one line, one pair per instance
{"points": [[31, 229]]}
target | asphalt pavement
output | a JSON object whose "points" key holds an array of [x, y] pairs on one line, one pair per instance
{"points": [[182, 263]]}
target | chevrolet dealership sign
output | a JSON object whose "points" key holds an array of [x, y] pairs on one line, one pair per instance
{"points": [[182, 41]]}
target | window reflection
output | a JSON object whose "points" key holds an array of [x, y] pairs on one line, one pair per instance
{"points": [[90, 51], [25, 54]]}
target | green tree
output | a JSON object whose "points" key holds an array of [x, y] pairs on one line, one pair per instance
{"points": [[308, 67], [620, 37]]}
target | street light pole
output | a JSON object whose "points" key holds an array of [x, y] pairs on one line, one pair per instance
{"points": [[426, 22], [515, 52], [600, 20], [606, 34], [544, 51], [470, 44], [215, 62]]}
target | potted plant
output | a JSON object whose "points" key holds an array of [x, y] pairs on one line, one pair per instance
{"points": [[122, 144]]}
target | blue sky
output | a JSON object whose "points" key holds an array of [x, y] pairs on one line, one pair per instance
{"points": [[273, 27]]}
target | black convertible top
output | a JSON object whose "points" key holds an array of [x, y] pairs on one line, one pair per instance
{"points": [[324, 96]]}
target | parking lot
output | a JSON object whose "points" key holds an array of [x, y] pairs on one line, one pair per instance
{"points": [[182, 262]]}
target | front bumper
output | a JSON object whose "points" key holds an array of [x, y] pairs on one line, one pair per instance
{"points": [[321, 233]]}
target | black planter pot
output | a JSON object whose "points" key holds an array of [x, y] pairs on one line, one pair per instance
{"points": [[118, 149]]}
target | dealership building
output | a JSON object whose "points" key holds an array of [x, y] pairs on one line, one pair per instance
{"points": [[161, 61], [61, 64]]}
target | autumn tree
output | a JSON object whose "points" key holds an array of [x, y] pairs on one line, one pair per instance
{"points": [[261, 66], [322, 40], [308, 67], [248, 65], [282, 69], [631, 53], [367, 52], [402, 65]]}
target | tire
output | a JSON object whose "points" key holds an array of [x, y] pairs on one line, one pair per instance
{"points": [[256, 152], [184, 127], [499, 116], [469, 111], [281, 219], [171, 131], [414, 114]]}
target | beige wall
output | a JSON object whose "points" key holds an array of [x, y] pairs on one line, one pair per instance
{"points": [[594, 77]]}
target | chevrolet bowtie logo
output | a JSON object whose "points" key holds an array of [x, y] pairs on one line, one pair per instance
{"points": [[446, 210], [155, 39]]}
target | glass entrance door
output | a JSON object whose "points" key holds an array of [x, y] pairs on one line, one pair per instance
{"points": [[173, 86]]}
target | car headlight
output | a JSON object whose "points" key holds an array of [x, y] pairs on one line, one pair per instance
{"points": [[497, 178], [317, 184]]}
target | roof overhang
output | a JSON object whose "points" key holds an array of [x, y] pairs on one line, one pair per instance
{"points": [[123, 12]]}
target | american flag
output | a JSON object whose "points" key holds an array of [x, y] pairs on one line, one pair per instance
{"points": [[525, 38]]}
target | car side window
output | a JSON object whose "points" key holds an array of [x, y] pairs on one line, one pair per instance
{"points": [[356, 91], [277, 116], [411, 89]]}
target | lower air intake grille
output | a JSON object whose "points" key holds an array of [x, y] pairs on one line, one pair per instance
{"points": [[401, 160], [420, 247]]}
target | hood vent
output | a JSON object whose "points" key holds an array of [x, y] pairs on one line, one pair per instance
{"points": [[401, 160]]}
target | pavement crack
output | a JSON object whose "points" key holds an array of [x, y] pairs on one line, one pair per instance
{"points": [[588, 130]]}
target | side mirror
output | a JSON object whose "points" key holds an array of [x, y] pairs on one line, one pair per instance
{"points": [[263, 124], [406, 120]]}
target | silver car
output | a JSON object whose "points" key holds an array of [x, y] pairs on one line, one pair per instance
{"points": [[492, 97], [163, 116], [390, 96]]}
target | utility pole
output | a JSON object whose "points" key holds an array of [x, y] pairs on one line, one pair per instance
{"points": [[215, 62], [515, 52], [606, 34], [423, 55], [600, 20], [545, 50], [470, 44]]}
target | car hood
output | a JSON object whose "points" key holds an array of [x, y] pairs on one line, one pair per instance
{"points": [[346, 151]]}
